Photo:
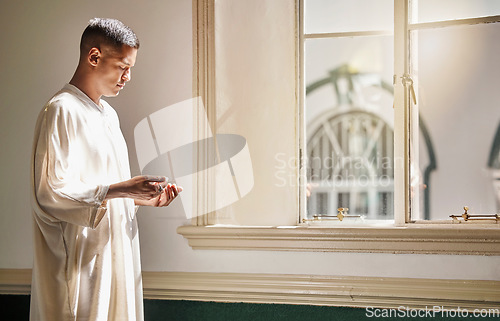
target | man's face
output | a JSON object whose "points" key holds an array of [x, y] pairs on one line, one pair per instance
{"points": [[114, 69]]}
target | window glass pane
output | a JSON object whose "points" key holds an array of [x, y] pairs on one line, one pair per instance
{"points": [[349, 125], [361, 203], [324, 16], [322, 203], [344, 200], [385, 203], [456, 163], [432, 10]]}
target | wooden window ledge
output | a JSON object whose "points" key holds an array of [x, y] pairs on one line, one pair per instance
{"points": [[413, 238]]}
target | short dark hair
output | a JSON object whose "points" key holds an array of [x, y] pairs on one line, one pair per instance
{"points": [[105, 31]]}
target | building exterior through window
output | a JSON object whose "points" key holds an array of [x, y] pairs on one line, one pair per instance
{"points": [[350, 150]]}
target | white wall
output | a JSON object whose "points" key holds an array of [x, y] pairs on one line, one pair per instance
{"points": [[40, 47], [39, 53], [256, 98]]}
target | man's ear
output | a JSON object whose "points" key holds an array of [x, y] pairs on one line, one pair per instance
{"points": [[94, 56]]}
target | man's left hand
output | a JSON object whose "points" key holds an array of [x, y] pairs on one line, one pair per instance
{"points": [[169, 193]]}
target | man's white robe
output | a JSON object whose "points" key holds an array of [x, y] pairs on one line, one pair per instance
{"points": [[86, 255]]}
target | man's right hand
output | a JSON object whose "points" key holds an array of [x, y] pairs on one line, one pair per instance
{"points": [[142, 187]]}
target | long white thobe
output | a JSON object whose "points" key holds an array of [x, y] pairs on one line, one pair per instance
{"points": [[86, 251]]}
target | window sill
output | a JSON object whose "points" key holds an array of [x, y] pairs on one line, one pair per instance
{"points": [[463, 239]]}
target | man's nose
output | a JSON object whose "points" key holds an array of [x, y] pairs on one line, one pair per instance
{"points": [[127, 75]]}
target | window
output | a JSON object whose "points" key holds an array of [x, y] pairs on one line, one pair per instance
{"points": [[348, 109], [246, 74], [454, 67], [348, 67]]}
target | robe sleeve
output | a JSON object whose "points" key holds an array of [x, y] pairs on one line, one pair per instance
{"points": [[62, 192]]}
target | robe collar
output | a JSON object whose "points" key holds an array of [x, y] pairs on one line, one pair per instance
{"points": [[75, 90]]}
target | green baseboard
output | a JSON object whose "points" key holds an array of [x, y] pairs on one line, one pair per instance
{"points": [[159, 310], [16, 308]]}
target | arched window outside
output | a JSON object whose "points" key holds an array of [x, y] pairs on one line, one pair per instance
{"points": [[350, 155], [350, 164]]}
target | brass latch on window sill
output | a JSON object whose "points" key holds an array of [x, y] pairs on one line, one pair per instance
{"points": [[474, 217], [325, 217]]}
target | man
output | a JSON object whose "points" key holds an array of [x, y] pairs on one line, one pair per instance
{"points": [[86, 251]]}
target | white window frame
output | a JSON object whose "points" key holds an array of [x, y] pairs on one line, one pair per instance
{"points": [[404, 103], [403, 236]]}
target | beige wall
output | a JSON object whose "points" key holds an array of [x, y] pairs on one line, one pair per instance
{"points": [[39, 42], [39, 53]]}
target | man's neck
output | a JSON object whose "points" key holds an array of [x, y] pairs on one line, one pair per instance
{"points": [[82, 82]]}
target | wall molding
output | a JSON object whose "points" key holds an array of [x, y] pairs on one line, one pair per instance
{"points": [[347, 291], [413, 238], [15, 281], [322, 290]]}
